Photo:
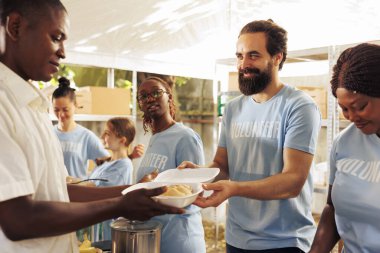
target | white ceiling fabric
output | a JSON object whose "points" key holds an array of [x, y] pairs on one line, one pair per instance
{"points": [[185, 37]]}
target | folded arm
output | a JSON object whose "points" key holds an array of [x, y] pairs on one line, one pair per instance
{"points": [[287, 184]]}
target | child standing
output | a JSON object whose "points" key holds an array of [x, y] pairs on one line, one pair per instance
{"points": [[117, 169]]}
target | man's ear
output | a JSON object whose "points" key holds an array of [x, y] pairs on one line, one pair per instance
{"points": [[278, 58], [13, 25]]}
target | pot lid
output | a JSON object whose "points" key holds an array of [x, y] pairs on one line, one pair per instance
{"points": [[122, 224]]}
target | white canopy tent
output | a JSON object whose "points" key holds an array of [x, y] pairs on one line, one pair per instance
{"points": [[187, 37]]}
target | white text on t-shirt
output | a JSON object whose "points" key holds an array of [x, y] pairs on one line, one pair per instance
{"points": [[154, 160], [364, 170], [247, 129], [71, 147]]}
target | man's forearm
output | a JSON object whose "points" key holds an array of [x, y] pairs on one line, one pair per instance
{"points": [[80, 193], [31, 219], [280, 186]]}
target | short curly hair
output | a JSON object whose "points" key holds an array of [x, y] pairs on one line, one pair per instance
{"points": [[358, 70], [33, 10]]}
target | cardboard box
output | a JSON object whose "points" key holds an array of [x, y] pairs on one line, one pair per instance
{"points": [[102, 100], [319, 95]]}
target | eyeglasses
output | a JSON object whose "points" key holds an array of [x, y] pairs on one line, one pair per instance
{"points": [[143, 97]]}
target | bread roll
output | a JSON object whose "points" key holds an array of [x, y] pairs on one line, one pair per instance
{"points": [[178, 190]]}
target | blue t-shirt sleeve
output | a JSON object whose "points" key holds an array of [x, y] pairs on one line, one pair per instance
{"points": [[190, 148], [95, 148], [332, 162], [302, 130], [222, 135], [114, 177], [128, 171], [223, 132], [117, 173]]}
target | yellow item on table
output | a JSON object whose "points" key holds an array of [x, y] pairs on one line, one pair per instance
{"points": [[88, 250], [85, 247]]}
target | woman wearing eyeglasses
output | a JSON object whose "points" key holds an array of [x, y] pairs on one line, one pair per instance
{"points": [[170, 144]]}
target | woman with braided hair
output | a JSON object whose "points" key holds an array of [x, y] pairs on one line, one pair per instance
{"points": [[352, 209], [170, 144]]}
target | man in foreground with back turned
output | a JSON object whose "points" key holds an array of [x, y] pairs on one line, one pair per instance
{"points": [[266, 147], [36, 214]]}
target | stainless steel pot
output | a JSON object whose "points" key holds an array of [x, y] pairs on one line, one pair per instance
{"points": [[135, 236]]}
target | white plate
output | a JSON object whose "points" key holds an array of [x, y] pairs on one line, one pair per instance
{"points": [[179, 202], [198, 175]]}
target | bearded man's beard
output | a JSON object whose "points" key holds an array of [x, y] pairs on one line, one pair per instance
{"points": [[260, 80]]}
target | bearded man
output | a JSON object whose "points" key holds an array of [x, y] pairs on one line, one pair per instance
{"points": [[266, 148]]}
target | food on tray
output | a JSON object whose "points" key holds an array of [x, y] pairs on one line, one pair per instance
{"points": [[178, 190]]}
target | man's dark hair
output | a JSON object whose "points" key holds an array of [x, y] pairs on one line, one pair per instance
{"points": [[1, 11], [276, 36], [357, 70], [28, 8]]}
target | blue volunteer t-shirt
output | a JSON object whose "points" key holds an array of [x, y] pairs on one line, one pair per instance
{"points": [[79, 146], [255, 135], [355, 177], [166, 150]]}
